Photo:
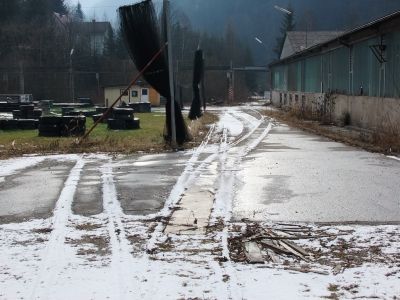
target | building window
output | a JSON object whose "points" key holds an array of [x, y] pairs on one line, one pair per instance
{"points": [[145, 92], [134, 94]]}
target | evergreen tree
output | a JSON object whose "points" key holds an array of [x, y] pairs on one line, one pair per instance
{"points": [[250, 77], [37, 11], [59, 6], [230, 41], [9, 9], [120, 48], [109, 49], [78, 14], [287, 25]]}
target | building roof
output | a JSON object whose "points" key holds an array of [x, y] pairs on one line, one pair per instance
{"points": [[297, 41], [343, 38]]}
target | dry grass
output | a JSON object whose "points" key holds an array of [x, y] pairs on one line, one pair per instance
{"points": [[384, 140], [148, 139], [199, 128], [388, 137]]}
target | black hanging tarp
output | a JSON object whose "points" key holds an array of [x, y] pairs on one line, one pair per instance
{"points": [[198, 74], [141, 31]]}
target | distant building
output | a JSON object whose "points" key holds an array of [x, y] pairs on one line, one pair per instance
{"points": [[360, 67], [297, 41], [136, 94]]}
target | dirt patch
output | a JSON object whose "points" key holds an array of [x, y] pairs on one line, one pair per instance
{"points": [[43, 230], [87, 227], [91, 245], [138, 242]]}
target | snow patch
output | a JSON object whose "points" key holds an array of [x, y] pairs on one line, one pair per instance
{"points": [[232, 124]]}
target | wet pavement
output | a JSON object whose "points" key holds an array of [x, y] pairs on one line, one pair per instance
{"points": [[296, 176], [143, 183], [278, 174], [32, 192], [88, 197]]}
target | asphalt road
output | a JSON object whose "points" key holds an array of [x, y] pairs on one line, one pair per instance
{"points": [[142, 183], [296, 176], [286, 175]]}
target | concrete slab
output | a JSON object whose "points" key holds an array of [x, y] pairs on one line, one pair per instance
{"points": [[296, 176], [196, 205]]}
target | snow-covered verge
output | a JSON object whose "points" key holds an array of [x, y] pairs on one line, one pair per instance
{"points": [[92, 266]]}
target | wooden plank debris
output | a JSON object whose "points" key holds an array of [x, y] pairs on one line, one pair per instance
{"points": [[303, 270], [253, 253], [275, 258]]}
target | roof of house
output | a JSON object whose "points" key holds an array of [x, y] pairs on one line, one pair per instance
{"points": [[342, 37], [297, 41]]}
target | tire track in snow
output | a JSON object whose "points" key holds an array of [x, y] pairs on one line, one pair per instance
{"points": [[257, 124], [187, 178], [191, 173], [222, 209], [125, 281], [184, 181], [53, 258]]}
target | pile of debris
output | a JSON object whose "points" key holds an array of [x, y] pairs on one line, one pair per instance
{"points": [[70, 111], [123, 119], [99, 113], [6, 106], [260, 245], [27, 112], [54, 126], [26, 117], [141, 107], [310, 248]]}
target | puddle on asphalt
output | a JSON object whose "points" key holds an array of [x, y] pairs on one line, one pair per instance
{"points": [[276, 189]]}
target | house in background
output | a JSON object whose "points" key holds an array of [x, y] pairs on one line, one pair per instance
{"points": [[354, 76], [136, 94]]}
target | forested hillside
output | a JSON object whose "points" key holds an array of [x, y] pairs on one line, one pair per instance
{"points": [[258, 18]]}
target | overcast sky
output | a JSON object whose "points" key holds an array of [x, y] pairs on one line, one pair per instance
{"points": [[99, 8]]}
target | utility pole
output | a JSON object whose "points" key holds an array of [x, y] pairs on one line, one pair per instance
{"points": [[171, 73], [71, 76], [21, 77], [231, 84]]}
